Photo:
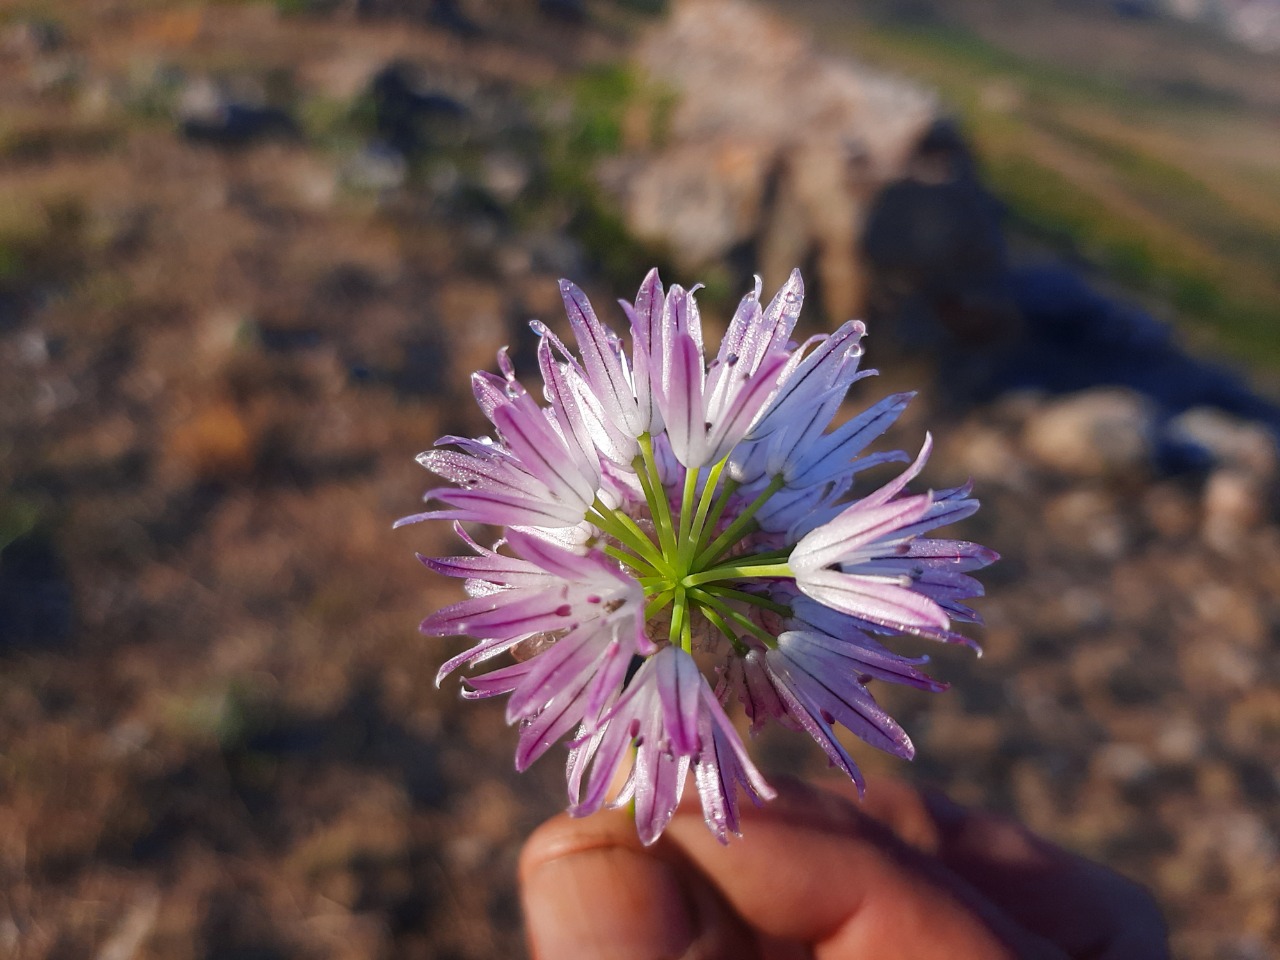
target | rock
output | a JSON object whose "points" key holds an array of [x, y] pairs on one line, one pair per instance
{"points": [[209, 114], [702, 198], [1218, 667], [987, 454], [407, 117], [1088, 520], [29, 39], [216, 443], [1095, 433], [1170, 511], [771, 144], [1123, 762], [935, 251], [377, 167], [1234, 504], [504, 175], [1231, 442]]}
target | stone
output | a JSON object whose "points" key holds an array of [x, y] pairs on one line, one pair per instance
{"points": [[1170, 511], [701, 199], [377, 168], [208, 113], [1245, 445], [1088, 520], [409, 117], [1095, 433], [1234, 504], [771, 144]]}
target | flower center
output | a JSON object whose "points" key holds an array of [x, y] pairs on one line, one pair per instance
{"points": [[693, 562]]}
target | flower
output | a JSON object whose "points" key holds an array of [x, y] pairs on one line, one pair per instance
{"points": [[659, 511]]}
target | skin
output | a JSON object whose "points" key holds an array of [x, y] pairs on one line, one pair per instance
{"points": [[820, 875]]}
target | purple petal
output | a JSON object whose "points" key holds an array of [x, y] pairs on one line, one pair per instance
{"points": [[854, 528], [525, 429], [682, 403], [496, 682], [679, 684], [883, 603], [809, 717], [602, 359], [730, 425]]}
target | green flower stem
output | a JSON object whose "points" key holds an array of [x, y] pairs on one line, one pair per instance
{"points": [[638, 564], [690, 544], [719, 623], [708, 526], [623, 529], [686, 515], [708, 600], [759, 559], [658, 601], [736, 530], [763, 602], [679, 610], [642, 474], [738, 572], [659, 507]]}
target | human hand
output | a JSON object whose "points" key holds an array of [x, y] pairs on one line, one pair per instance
{"points": [[817, 875]]}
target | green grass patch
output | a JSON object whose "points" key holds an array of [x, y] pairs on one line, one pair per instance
{"points": [[1243, 317], [17, 519], [609, 108], [1215, 265]]}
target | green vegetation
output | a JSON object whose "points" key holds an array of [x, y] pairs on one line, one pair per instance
{"points": [[610, 107], [1129, 178], [17, 519]]}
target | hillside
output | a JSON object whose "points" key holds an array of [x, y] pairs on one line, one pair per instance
{"points": [[1146, 147]]}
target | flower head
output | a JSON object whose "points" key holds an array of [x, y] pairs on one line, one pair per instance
{"points": [[659, 510]]}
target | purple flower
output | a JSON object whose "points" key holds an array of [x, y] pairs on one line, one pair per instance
{"points": [[658, 510]]}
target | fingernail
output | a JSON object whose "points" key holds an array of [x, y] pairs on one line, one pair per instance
{"points": [[607, 902]]}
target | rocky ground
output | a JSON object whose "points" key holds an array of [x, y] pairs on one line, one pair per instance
{"points": [[248, 254]]}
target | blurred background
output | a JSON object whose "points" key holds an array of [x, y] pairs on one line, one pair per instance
{"points": [[250, 251]]}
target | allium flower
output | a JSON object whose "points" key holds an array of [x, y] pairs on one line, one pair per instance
{"points": [[659, 512]]}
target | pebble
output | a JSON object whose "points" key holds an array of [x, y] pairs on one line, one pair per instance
{"points": [[1245, 445], [1234, 503], [1090, 520], [1095, 433]]}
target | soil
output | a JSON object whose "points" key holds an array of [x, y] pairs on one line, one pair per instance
{"points": [[225, 333]]}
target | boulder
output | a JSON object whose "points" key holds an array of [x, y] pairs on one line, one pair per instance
{"points": [[1095, 433], [772, 146]]}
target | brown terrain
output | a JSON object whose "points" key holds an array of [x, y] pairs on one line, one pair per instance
{"points": [[249, 255]]}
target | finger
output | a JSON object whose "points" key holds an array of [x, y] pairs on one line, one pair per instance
{"points": [[813, 868], [895, 804], [1082, 906], [590, 890]]}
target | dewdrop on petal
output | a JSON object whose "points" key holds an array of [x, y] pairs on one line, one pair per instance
{"points": [[655, 505]]}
